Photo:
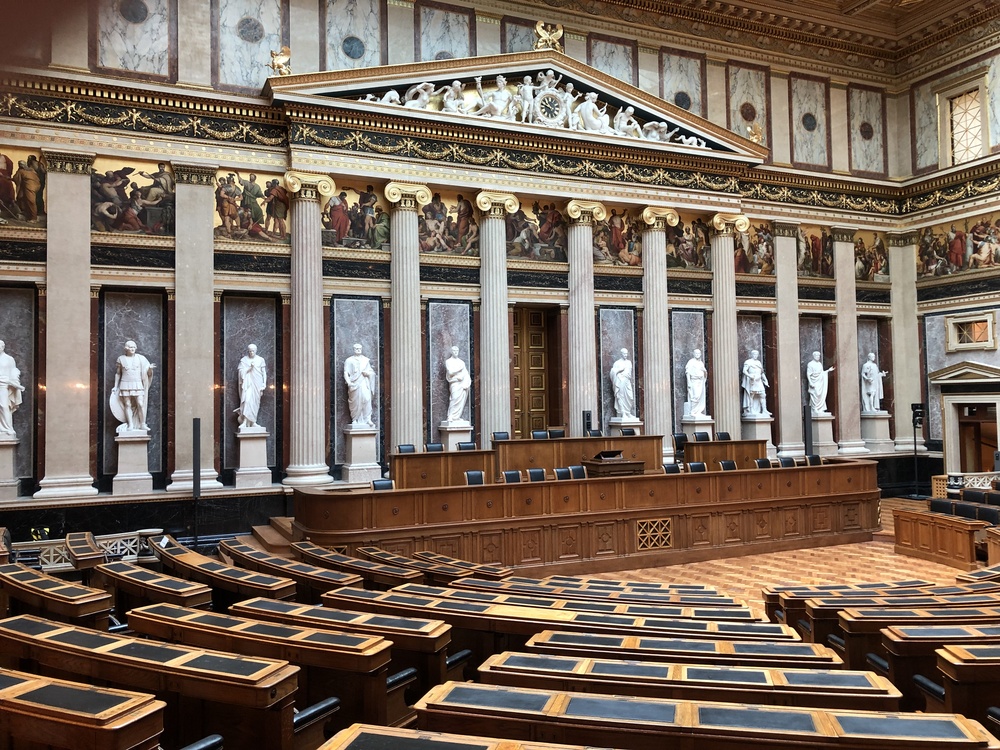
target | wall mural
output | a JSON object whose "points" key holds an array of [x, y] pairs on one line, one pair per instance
{"points": [[251, 207], [754, 252], [538, 236], [962, 245], [448, 225], [136, 198], [871, 260], [22, 188], [689, 244], [618, 239], [815, 252], [356, 219]]}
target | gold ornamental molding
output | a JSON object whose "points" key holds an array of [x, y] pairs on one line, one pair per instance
{"points": [[487, 200], [585, 211], [785, 229], [407, 195], [194, 174], [309, 186], [902, 239], [68, 162], [660, 218], [843, 234], [726, 223]]}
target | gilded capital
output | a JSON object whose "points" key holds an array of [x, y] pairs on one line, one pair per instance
{"points": [[660, 218], [726, 223], [309, 186], [843, 234], [782, 229], [407, 195], [583, 210], [194, 174], [488, 199], [908, 238], [68, 162]]}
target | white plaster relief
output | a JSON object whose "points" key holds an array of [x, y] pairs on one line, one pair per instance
{"points": [[867, 154], [613, 58], [353, 18], [683, 74], [135, 47], [444, 34], [748, 86], [242, 63], [808, 99]]}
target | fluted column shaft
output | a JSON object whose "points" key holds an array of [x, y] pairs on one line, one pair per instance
{"points": [[848, 368], [582, 374], [905, 339], [494, 338], [308, 397], [656, 324], [406, 381], [787, 391], [725, 355], [67, 329]]}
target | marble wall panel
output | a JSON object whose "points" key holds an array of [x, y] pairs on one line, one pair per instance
{"points": [[517, 35], [448, 225], [536, 232], [17, 331], [618, 238], [134, 197], [867, 340], [993, 102], [749, 336], [247, 32], [682, 81], [866, 115], [810, 340], [356, 218], [134, 36], [810, 127], [961, 245], [444, 31], [616, 57], [925, 127], [815, 251], [354, 320], [688, 333], [353, 33], [748, 99], [448, 324], [22, 187], [137, 317], [616, 331], [245, 321]]}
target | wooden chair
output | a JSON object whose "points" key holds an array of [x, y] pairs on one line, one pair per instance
{"points": [[727, 465], [434, 447], [511, 476], [536, 475], [383, 484], [406, 448], [697, 466], [498, 436], [702, 437], [466, 446], [539, 434], [562, 473], [671, 468], [475, 477], [680, 439]]}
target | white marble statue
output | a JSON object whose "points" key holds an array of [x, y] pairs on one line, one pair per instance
{"points": [[526, 99], [626, 124], [623, 387], [697, 381], [754, 383], [252, 376], [819, 384], [497, 103], [591, 117], [10, 393], [360, 379], [871, 386], [418, 96], [459, 383], [452, 98], [130, 394]]}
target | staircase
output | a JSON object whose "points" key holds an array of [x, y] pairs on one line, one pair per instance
{"points": [[276, 537]]}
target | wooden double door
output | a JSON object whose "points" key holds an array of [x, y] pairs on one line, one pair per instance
{"points": [[538, 382]]}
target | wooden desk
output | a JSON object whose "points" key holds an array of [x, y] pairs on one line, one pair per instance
{"points": [[619, 584], [83, 550], [362, 737], [488, 572], [26, 591], [743, 452], [549, 454], [435, 573], [377, 575], [971, 678], [439, 469], [598, 594], [772, 594], [938, 537], [133, 586], [613, 468]]}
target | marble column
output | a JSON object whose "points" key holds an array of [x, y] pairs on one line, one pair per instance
{"points": [[906, 386], [494, 331], [726, 401], [786, 396], [656, 326], [848, 368], [68, 333], [406, 380], [308, 397], [194, 335], [582, 344]]}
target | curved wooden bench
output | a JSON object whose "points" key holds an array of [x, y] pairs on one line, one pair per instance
{"points": [[134, 586], [377, 575], [599, 594], [435, 573], [480, 570], [27, 591], [310, 580]]}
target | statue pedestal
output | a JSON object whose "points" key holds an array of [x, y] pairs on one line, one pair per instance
{"points": [[8, 477], [362, 454], [875, 432], [628, 423], [758, 427], [453, 433], [253, 471], [691, 425], [133, 477], [822, 434]]}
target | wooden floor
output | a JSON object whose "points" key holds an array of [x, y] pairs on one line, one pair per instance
{"points": [[744, 577]]}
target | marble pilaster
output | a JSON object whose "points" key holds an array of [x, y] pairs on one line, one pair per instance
{"points": [[194, 337], [656, 324], [848, 395], [905, 338], [308, 396], [582, 345], [494, 336], [68, 333], [725, 351], [787, 397], [406, 389]]}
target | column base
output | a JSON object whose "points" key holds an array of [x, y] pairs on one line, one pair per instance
{"points": [[8, 477], [875, 432], [453, 433], [304, 475], [133, 477], [822, 434], [905, 445], [362, 455], [691, 425], [759, 428], [791, 450], [79, 485], [620, 423], [253, 471], [182, 480]]}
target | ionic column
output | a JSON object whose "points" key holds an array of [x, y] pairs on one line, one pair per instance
{"points": [[786, 394], [68, 330], [725, 350], [847, 374], [194, 333], [494, 336], [655, 324], [582, 371], [905, 338], [308, 391], [406, 380]]}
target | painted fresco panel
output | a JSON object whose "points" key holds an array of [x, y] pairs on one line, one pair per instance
{"points": [[132, 197], [448, 225], [618, 238], [961, 245], [251, 207], [754, 253], [22, 187], [356, 218], [871, 257], [689, 244], [537, 234], [815, 251]]}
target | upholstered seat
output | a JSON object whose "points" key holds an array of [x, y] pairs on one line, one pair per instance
{"points": [[434, 447], [697, 466], [722, 436], [498, 436], [727, 465], [671, 468], [406, 448], [383, 484], [562, 473], [466, 446], [511, 476], [539, 434], [475, 477], [536, 475], [762, 463], [702, 437]]}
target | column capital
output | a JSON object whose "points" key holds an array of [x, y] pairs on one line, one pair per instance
{"points": [[407, 196], [586, 212], [843, 234], [42, 288], [724, 224], [489, 200], [68, 162], [909, 238], [660, 218], [199, 175], [95, 291], [309, 186], [785, 229]]}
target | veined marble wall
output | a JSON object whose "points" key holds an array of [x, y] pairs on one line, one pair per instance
{"points": [[810, 114], [18, 318], [245, 321], [687, 329], [353, 320], [248, 31], [134, 36], [866, 118], [616, 331], [749, 98], [353, 33], [516, 35], [749, 336], [448, 324], [961, 245], [811, 340], [444, 31], [682, 80], [138, 317], [616, 57], [868, 343]]}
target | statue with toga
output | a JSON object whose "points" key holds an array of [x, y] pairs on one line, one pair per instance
{"points": [[623, 387], [459, 383], [754, 383], [360, 379], [697, 380], [871, 386], [10, 393], [130, 394], [819, 384], [252, 374]]}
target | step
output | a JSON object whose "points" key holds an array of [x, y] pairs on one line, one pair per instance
{"points": [[283, 525], [270, 539]]}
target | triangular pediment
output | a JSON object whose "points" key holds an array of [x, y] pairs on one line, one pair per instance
{"points": [[567, 99], [966, 372]]}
